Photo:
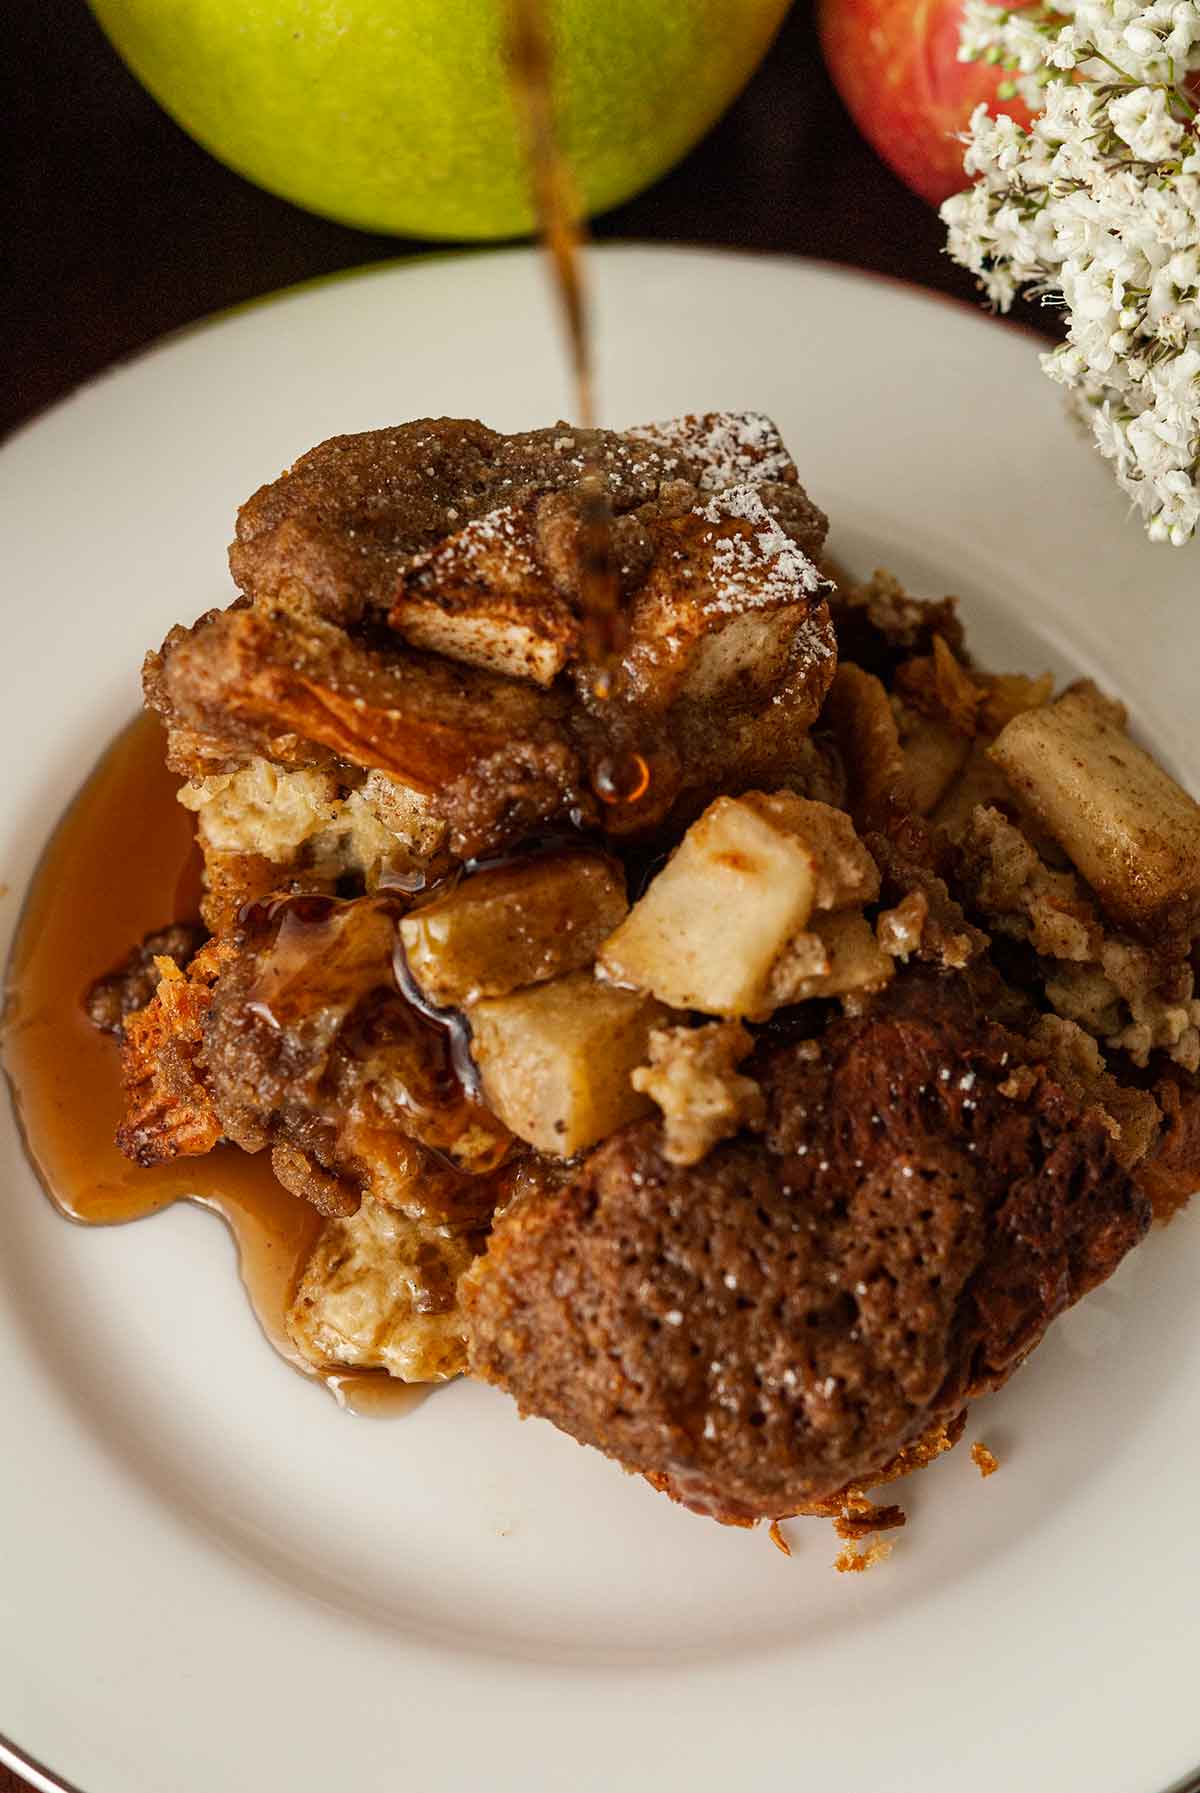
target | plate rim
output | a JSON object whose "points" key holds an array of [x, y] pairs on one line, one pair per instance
{"points": [[601, 246], [41, 1777]]}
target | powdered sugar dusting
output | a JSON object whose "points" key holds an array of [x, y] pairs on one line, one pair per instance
{"points": [[728, 446], [753, 564], [500, 537]]}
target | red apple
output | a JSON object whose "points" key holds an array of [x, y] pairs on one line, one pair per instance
{"points": [[895, 64]]}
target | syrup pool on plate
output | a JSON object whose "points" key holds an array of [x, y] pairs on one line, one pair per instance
{"points": [[121, 863]]}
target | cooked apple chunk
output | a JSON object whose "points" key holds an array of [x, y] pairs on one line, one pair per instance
{"points": [[513, 925], [859, 712], [482, 596], [742, 885], [711, 925], [1124, 822], [845, 875], [556, 1059], [934, 756], [169, 1111], [980, 782]]}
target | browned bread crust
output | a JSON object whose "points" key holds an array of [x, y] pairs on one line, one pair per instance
{"points": [[786, 1317], [442, 535]]}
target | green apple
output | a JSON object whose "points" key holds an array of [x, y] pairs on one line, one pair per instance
{"points": [[395, 114]]}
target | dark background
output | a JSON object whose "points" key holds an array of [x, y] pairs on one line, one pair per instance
{"points": [[121, 228]]}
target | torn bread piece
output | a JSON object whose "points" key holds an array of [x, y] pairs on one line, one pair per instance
{"points": [[692, 1076], [169, 1110], [254, 679], [379, 1293], [471, 544], [892, 1242], [729, 603]]}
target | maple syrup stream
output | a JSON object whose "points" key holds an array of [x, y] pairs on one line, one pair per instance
{"points": [[563, 236], [123, 862]]}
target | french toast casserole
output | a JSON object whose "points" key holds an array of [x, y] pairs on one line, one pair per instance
{"points": [[740, 1056]]}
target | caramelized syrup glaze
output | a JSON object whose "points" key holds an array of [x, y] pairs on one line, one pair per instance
{"points": [[122, 862]]}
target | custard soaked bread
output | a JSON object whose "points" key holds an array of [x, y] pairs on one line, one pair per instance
{"points": [[741, 1052]]}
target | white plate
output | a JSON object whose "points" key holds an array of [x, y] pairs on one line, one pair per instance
{"points": [[212, 1578]]}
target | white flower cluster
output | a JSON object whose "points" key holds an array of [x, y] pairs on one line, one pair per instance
{"points": [[1099, 202]]}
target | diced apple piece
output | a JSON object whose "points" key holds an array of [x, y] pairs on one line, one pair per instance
{"points": [[711, 925], [838, 955], [1131, 831], [513, 925], [556, 1059], [483, 596], [743, 883], [845, 874], [856, 960]]}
